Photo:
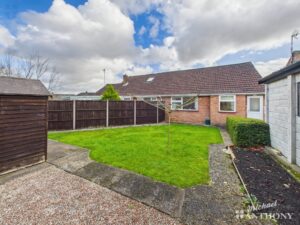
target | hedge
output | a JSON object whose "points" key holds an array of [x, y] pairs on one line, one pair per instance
{"points": [[245, 132]]}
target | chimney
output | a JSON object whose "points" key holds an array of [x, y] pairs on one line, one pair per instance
{"points": [[125, 78], [294, 58]]}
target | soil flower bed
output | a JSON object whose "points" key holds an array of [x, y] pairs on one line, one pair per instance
{"points": [[145, 150], [270, 184]]}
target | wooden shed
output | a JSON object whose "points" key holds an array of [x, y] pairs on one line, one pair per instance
{"points": [[23, 123]]}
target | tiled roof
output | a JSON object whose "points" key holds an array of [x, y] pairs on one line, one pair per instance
{"points": [[235, 78], [21, 86]]}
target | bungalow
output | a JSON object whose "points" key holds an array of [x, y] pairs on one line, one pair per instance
{"points": [[217, 92], [283, 109]]}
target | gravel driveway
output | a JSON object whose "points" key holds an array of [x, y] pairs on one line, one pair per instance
{"points": [[53, 196]]}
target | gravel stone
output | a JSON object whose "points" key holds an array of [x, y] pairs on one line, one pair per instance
{"points": [[53, 196]]}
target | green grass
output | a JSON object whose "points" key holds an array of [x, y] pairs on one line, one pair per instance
{"points": [[145, 150]]}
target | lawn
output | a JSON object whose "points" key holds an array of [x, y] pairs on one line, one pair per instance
{"points": [[145, 150]]}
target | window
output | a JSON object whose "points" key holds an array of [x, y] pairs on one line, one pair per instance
{"points": [[184, 103], [150, 99], [227, 103], [150, 79], [254, 104]]}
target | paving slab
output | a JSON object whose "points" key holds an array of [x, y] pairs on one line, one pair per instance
{"points": [[73, 162], [164, 197], [58, 150]]}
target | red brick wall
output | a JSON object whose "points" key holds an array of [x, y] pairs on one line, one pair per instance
{"points": [[195, 117], [208, 107], [219, 118]]}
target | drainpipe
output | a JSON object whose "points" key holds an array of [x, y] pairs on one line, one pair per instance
{"points": [[292, 105], [267, 103]]}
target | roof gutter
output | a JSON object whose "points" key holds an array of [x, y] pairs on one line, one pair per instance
{"points": [[193, 95], [281, 74]]}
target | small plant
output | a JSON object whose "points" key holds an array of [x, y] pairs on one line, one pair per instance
{"points": [[110, 93], [242, 189], [249, 200]]}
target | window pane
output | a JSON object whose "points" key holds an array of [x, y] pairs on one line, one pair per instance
{"points": [[176, 105], [189, 103], [227, 106], [254, 104], [176, 98], [227, 98]]}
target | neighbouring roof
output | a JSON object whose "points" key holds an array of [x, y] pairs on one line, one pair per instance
{"points": [[295, 57], [21, 86], [281, 74], [88, 94], [235, 78]]}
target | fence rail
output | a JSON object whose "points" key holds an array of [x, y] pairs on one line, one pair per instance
{"points": [[79, 114]]}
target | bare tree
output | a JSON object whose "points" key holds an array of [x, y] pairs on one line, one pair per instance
{"points": [[25, 67], [33, 66], [6, 65], [53, 79]]}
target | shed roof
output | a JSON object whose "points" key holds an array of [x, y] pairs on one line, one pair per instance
{"points": [[281, 74], [21, 86]]}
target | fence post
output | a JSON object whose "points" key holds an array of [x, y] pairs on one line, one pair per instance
{"points": [[74, 114], [107, 113], [157, 112], [134, 112]]}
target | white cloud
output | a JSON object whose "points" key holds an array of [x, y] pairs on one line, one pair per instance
{"points": [[155, 26], [80, 41], [136, 6], [6, 39], [138, 70], [142, 30], [205, 31], [268, 67]]}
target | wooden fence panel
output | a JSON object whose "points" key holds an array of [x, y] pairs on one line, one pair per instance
{"points": [[60, 115], [121, 113], [145, 113], [90, 114]]}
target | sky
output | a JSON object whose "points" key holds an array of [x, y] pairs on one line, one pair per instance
{"points": [[136, 37]]}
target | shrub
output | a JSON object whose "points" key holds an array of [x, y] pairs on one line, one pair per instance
{"points": [[110, 93], [246, 132]]}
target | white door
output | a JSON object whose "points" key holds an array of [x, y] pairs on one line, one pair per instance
{"points": [[255, 107]]}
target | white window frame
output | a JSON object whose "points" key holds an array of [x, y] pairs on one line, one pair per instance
{"points": [[181, 102], [234, 102], [152, 99]]}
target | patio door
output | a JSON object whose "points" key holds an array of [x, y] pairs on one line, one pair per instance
{"points": [[255, 107]]}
